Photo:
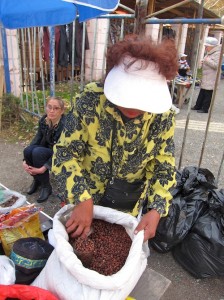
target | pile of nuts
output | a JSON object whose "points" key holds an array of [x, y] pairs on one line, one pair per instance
{"points": [[9, 202], [106, 249], [84, 249]]}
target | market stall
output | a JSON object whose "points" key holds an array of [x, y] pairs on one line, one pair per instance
{"points": [[183, 85]]}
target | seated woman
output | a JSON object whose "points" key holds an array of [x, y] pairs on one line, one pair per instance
{"points": [[38, 155], [183, 65]]}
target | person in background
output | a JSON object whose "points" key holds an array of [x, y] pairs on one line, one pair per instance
{"points": [[38, 155], [183, 65], [209, 70], [117, 146]]}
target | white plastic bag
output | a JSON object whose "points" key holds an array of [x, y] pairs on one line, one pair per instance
{"points": [[65, 276], [7, 270], [7, 194]]}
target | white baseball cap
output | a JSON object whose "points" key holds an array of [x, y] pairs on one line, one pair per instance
{"points": [[211, 41], [139, 86]]}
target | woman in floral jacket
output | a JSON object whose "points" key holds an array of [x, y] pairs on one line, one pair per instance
{"points": [[119, 136]]}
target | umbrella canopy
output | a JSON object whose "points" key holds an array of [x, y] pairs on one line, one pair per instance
{"points": [[89, 9], [26, 13], [32, 13]]}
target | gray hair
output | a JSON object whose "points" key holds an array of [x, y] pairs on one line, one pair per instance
{"points": [[59, 99]]}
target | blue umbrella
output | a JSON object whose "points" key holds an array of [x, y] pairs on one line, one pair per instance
{"points": [[32, 13], [16, 14]]}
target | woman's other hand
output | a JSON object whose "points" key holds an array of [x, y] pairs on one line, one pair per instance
{"points": [[81, 219], [148, 223]]}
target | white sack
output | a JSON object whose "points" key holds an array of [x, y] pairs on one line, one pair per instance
{"points": [[7, 270], [65, 276], [7, 194]]}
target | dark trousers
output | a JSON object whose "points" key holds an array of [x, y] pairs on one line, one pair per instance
{"points": [[204, 100], [36, 156]]}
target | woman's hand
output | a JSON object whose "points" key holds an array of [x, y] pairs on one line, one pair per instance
{"points": [[81, 219], [35, 171], [25, 166], [149, 224]]}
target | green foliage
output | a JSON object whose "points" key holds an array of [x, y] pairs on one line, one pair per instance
{"points": [[18, 123], [10, 110], [62, 90]]}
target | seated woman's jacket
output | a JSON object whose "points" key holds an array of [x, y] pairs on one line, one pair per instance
{"points": [[47, 136]]}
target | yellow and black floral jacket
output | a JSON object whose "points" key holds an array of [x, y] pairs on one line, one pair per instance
{"points": [[143, 148]]}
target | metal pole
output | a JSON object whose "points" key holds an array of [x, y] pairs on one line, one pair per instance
{"points": [[13, 65], [34, 68], [189, 108], [105, 50], [83, 57], [41, 68], [127, 8], [52, 61], [94, 49], [20, 69], [73, 62], [184, 21], [220, 168], [120, 16], [6, 60], [25, 69], [212, 102], [31, 68], [122, 30]]}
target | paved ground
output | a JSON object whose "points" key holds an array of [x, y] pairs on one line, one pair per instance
{"points": [[183, 285]]}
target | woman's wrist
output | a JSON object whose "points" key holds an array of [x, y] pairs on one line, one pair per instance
{"points": [[43, 169]]}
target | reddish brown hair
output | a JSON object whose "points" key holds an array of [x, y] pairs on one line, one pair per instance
{"points": [[163, 54]]}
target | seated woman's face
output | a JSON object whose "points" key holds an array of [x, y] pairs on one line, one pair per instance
{"points": [[130, 112], [54, 110]]}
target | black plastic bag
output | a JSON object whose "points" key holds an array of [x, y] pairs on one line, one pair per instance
{"points": [[201, 253], [183, 213], [190, 198], [193, 178]]}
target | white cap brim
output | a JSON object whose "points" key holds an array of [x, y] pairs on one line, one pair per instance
{"points": [[142, 89]]}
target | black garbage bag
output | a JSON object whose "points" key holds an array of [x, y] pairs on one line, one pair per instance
{"points": [[190, 198], [191, 179], [201, 253]]}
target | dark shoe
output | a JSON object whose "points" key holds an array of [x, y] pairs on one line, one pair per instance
{"points": [[33, 188], [194, 108], [44, 193], [202, 111]]}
